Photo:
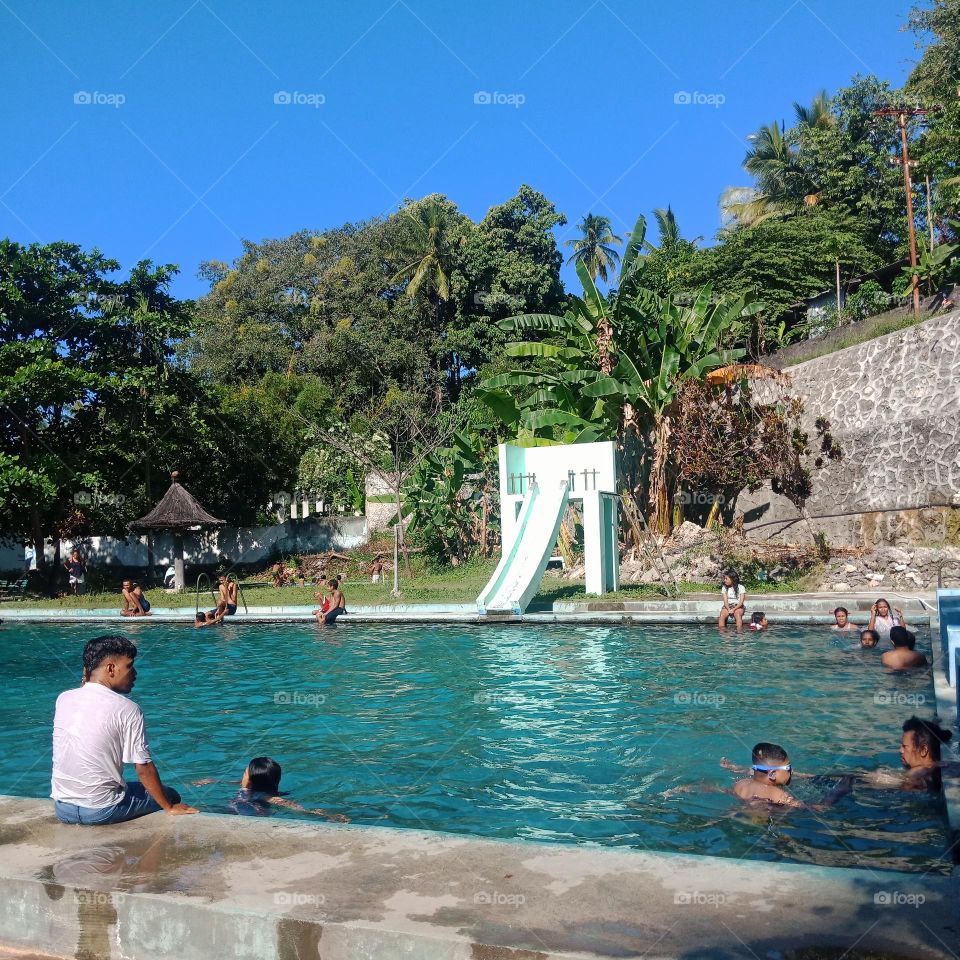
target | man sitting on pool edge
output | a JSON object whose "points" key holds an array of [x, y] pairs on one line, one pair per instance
{"points": [[96, 730]]}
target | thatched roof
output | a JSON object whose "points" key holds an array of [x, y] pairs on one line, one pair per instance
{"points": [[176, 511]]}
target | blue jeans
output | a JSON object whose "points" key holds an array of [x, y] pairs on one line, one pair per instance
{"points": [[135, 802]]}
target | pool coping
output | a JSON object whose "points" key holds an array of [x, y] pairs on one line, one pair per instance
{"points": [[209, 885]]}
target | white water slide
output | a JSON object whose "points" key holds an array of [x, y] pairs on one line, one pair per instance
{"points": [[520, 571]]}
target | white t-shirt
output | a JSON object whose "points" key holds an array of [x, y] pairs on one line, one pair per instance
{"points": [[883, 625], [733, 595], [95, 732]]}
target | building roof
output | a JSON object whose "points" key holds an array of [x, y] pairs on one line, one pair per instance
{"points": [[178, 510]]}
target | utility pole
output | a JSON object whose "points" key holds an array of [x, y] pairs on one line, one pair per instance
{"points": [[901, 113]]}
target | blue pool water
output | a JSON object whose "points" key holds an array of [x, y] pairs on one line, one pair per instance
{"points": [[550, 733]]}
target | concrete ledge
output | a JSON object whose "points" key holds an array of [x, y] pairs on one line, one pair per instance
{"points": [[204, 887]]}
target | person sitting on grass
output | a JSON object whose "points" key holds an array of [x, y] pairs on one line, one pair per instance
{"points": [[734, 600], [869, 639], [260, 790], [135, 604], [96, 730], [208, 618], [338, 606], [903, 656], [771, 772], [842, 617]]}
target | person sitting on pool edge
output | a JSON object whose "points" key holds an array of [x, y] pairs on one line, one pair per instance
{"points": [[135, 604], [842, 617], [96, 730], [734, 600], [869, 639], [226, 597], [260, 789], [903, 656], [772, 771], [338, 606]]}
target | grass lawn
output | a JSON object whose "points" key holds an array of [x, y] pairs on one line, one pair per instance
{"points": [[453, 585]]}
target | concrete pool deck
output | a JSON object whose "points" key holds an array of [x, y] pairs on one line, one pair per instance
{"points": [[702, 609], [206, 886]]}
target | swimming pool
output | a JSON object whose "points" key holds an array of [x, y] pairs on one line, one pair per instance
{"points": [[550, 733]]}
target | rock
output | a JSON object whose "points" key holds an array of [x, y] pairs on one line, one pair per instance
{"points": [[849, 568], [876, 577], [650, 576], [840, 587], [900, 566], [687, 534]]}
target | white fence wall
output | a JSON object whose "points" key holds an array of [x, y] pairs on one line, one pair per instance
{"points": [[240, 545]]}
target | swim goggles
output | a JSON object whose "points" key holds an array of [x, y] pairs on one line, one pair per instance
{"points": [[764, 768]]}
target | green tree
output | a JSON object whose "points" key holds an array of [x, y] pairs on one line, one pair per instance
{"points": [[595, 247]]}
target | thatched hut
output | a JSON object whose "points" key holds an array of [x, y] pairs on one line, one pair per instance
{"points": [[177, 512]]}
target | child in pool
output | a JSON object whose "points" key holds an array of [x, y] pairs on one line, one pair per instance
{"points": [[771, 772], [903, 656], [260, 789], [920, 755], [209, 619], [869, 639], [758, 621]]}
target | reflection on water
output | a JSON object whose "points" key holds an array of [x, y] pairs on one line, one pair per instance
{"points": [[554, 733]]}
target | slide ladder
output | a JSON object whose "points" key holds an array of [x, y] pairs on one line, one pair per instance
{"points": [[517, 577]]}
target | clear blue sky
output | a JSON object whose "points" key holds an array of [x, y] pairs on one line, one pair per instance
{"points": [[198, 154]]}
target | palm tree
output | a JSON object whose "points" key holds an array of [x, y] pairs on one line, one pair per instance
{"points": [[426, 248], [668, 226], [595, 248], [782, 188], [818, 116]]}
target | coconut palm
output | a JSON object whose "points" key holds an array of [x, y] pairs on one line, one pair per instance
{"points": [[594, 249], [781, 187], [426, 247], [817, 116]]}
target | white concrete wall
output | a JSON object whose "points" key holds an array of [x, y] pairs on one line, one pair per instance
{"points": [[241, 545]]}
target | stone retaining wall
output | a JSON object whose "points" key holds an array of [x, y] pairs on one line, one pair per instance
{"points": [[893, 406]]}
